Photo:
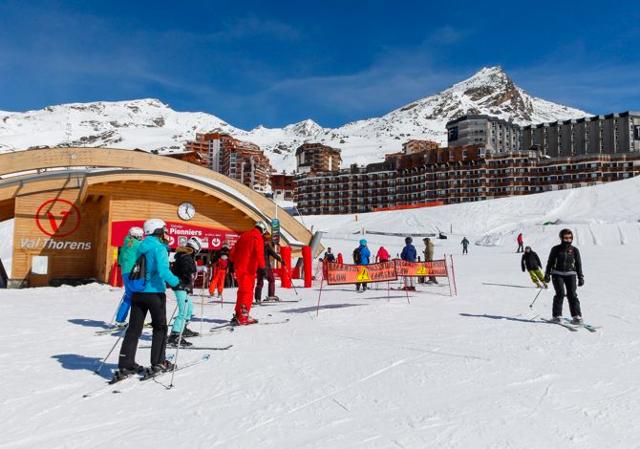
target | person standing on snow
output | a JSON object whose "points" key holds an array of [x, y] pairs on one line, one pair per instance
{"points": [[126, 260], [429, 249], [184, 267], [409, 254], [520, 240], [247, 257], [531, 262], [267, 272], [219, 269], [329, 257], [382, 255], [151, 299], [564, 268], [361, 256], [465, 246]]}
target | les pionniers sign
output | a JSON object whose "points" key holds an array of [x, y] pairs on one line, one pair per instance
{"points": [[56, 218]]}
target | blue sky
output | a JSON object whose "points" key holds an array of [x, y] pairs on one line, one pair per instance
{"points": [[275, 63]]}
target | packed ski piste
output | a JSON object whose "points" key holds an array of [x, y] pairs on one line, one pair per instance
{"points": [[511, 323]]}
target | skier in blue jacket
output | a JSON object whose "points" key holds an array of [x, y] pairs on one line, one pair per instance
{"points": [[151, 298], [409, 254], [362, 256]]}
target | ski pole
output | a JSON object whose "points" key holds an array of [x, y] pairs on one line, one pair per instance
{"points": [[535, 299], [97, 370], [184, 324]]}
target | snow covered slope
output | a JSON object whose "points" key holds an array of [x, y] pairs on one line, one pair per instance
{"points": [[151, 125], [371, 370], [600, 215]]}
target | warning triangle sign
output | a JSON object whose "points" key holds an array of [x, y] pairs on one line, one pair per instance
{"points": [[422, 271], [363, 276]]}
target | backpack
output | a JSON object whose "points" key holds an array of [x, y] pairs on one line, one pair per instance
{"points": [[356, 255], [138, 275]]}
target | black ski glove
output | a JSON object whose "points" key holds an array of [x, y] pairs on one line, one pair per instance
{"points": [[262, 271], [580, 282], [547, 278]]}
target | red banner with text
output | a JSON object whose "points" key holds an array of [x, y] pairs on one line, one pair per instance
{"points": [[178, 234], [437, 268], [338, 273]]}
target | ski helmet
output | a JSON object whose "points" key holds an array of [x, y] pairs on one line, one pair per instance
{"points": [[565, 231], [194, 243], [262, 226], [136, 232], [408, 240], [154, 226], [363, 242]]}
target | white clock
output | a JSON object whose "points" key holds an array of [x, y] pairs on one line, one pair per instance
{"points": [[186, 211]]}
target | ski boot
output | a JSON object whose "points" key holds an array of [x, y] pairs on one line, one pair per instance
{"points": [[272, 298], [173, 341], [556, 319], [123, 373], [577, 320], [186, 332], [158, 369]]}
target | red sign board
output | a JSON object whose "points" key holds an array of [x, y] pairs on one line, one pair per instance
{"points": [[437, 268], [338, 273], [58, 218], [178, 234]]}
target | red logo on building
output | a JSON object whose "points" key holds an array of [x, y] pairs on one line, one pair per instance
{"points": [[58, 218]]}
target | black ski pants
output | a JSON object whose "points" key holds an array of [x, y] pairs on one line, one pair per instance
{"points": [[271, 280], [141, 303], [565, 285]]}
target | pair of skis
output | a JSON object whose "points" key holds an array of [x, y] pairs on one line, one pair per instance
{"points": [[127, 380], [231, 326], [573, 327]]}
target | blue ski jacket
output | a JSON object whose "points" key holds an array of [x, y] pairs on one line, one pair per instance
{"points": [[409, 253], [157, 269]]}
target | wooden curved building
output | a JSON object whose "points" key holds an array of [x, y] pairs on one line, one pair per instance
{"points": [[73, 206]]}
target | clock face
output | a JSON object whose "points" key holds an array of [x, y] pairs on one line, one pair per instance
{"points": [[186, 211]]}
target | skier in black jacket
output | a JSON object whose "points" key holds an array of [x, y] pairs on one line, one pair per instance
{"points": [[267, 272], [531, 263], [563, 267]]}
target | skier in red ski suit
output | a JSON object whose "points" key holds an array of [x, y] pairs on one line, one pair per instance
{"points": [[247, 256]]}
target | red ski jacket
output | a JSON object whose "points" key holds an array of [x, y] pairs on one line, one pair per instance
{"points": [[383, 254], [248, 253]]}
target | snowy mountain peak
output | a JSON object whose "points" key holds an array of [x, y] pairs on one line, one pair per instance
{"points": [[150, 124], [305, 128]]}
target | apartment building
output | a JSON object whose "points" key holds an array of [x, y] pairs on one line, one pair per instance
{"points": [[493, 134], [601, 134], [316, 157], [243, 161], [454, 175], [283, 186]]}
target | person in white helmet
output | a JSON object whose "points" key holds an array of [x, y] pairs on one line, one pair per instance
{"points": [[126, 260], [184, 266], [150, 298]]}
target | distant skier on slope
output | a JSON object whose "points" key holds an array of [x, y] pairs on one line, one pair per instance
{"points": [[520, 241], [247, 257], [465, 246], [409, 254], [219, 270], [329, 256], [151, 299], [126, 260], [361, 256], [564, 267], [531, 263], [184, 268]]}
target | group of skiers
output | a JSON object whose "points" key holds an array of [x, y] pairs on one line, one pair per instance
{"points": [[144, 259], [563, 270]]}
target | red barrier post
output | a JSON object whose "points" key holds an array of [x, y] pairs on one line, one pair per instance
{"points": [[308, 268], [285, 279]]}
